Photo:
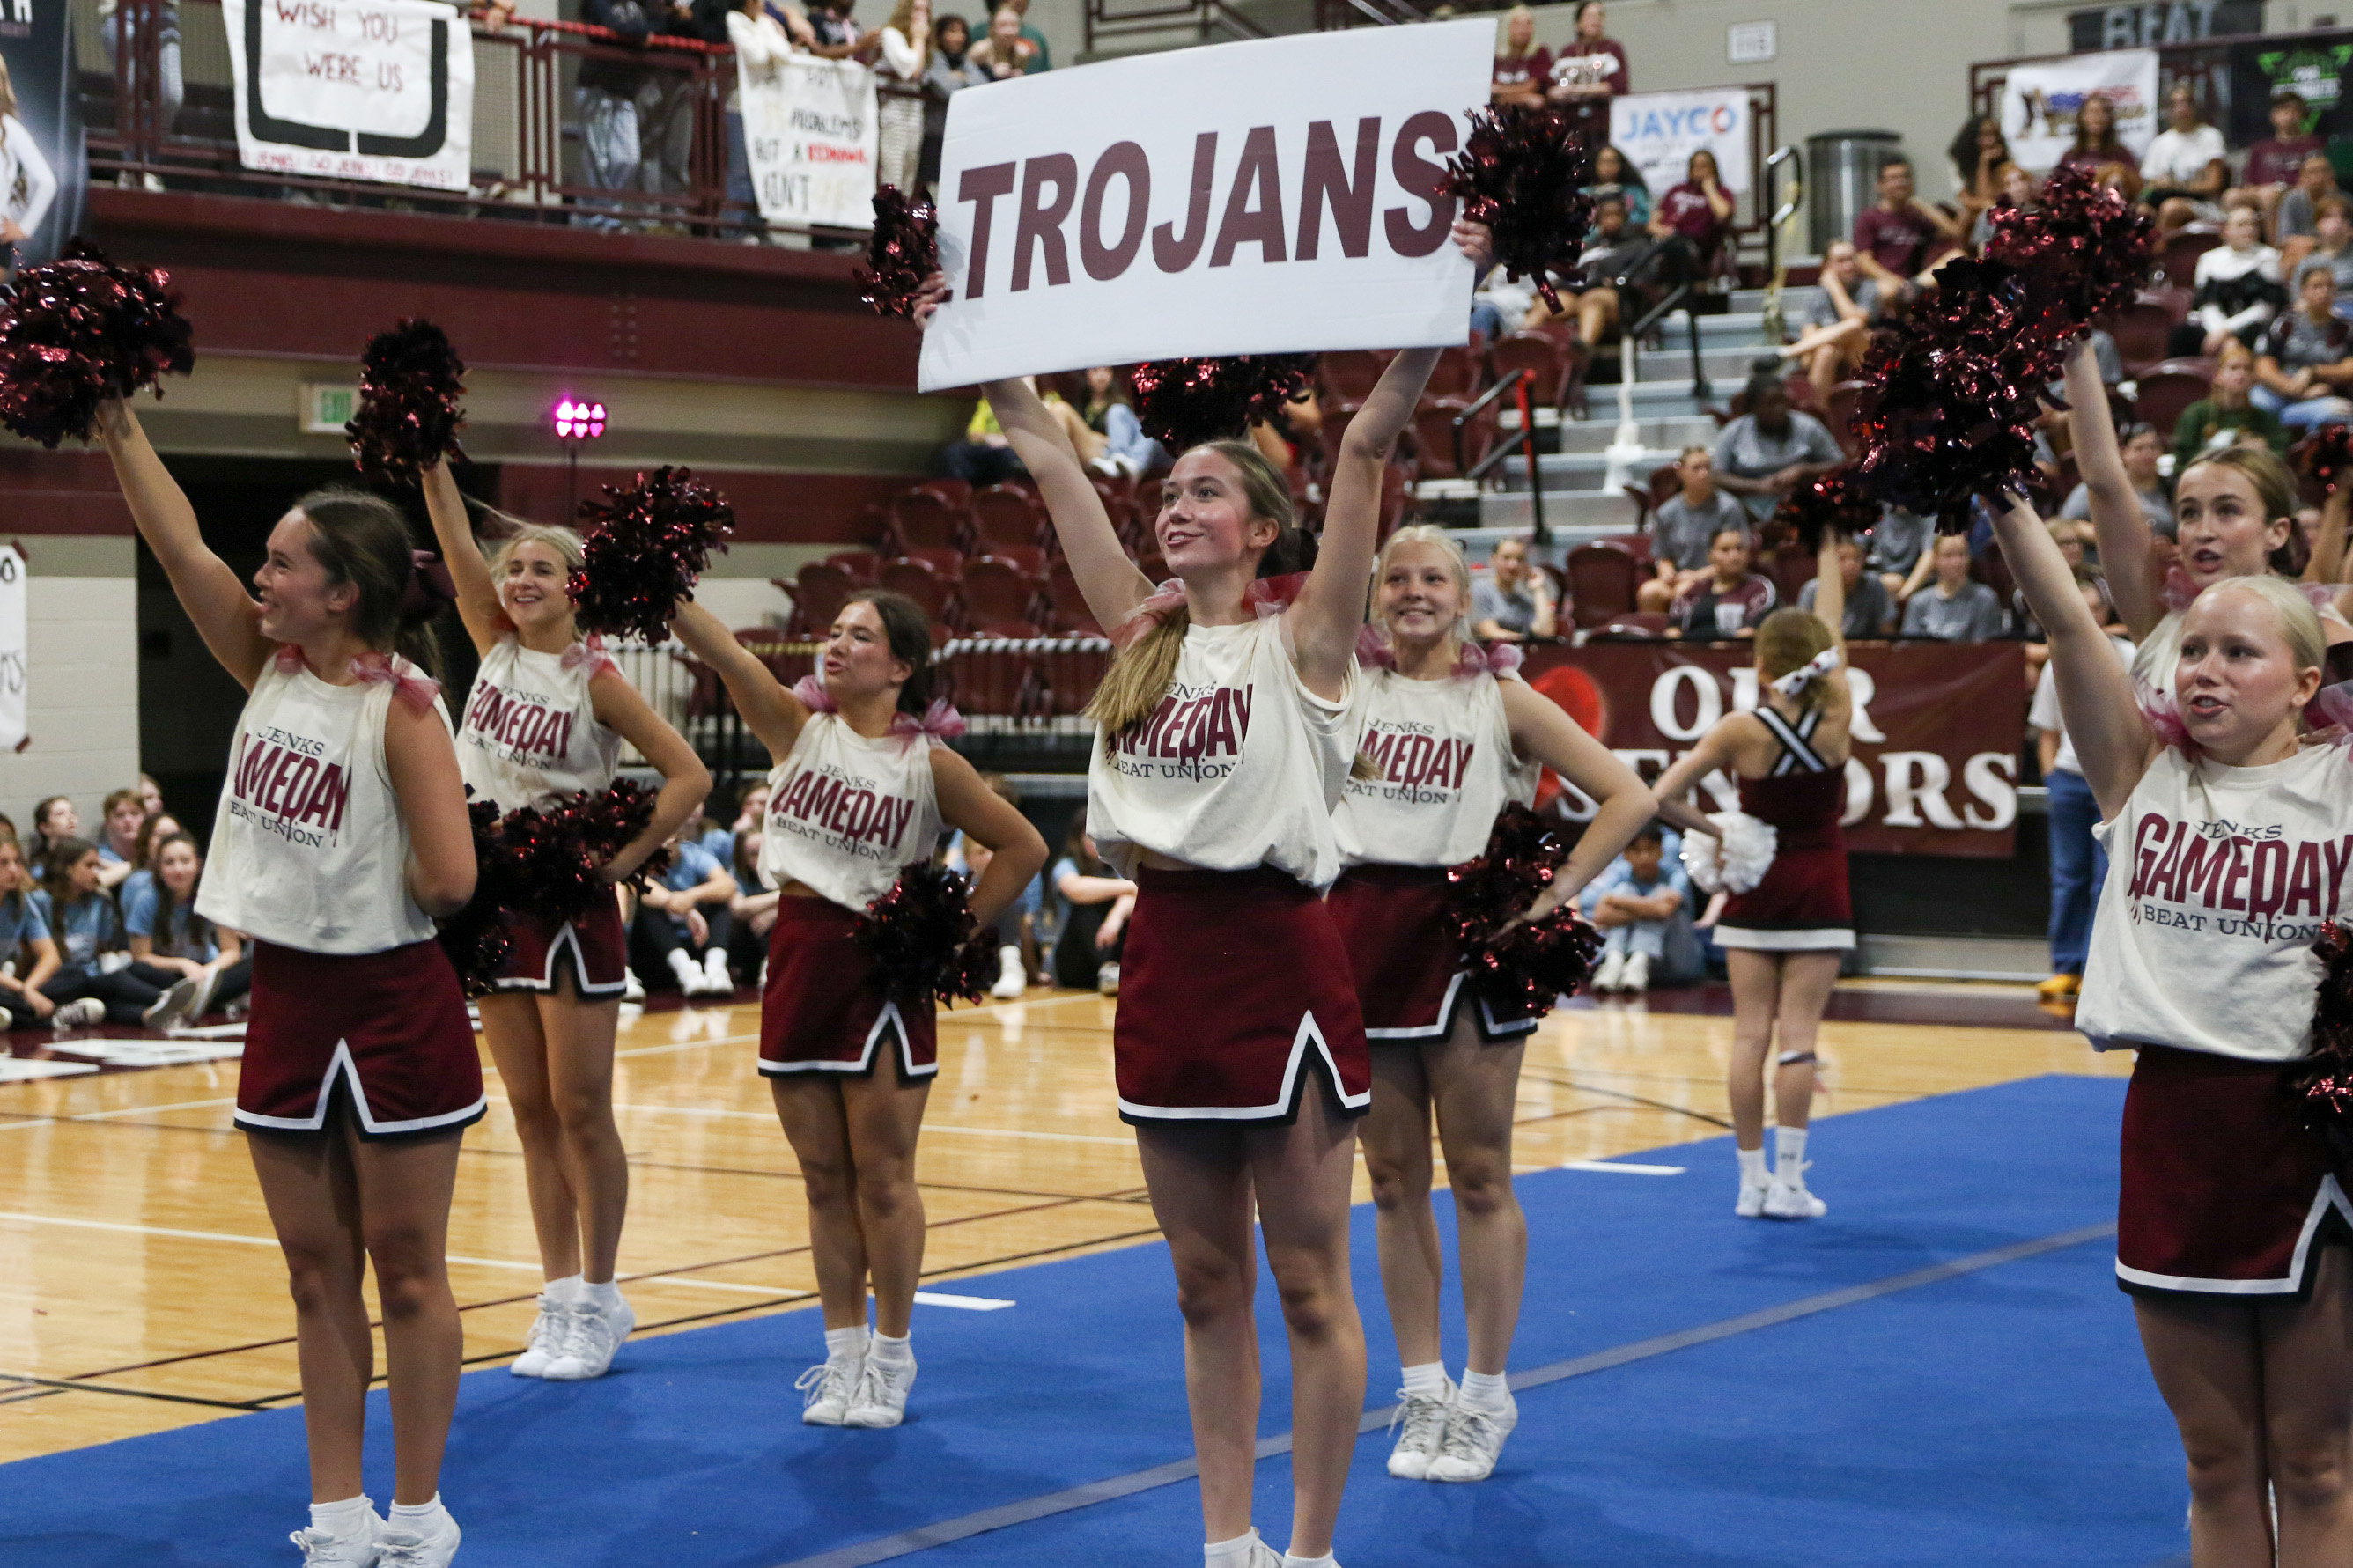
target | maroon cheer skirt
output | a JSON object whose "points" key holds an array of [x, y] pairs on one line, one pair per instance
{"points": [[822, 1011], [389, 1027], [1409, 974]]}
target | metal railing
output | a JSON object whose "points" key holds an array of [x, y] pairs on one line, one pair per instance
{"points": [[1525, 438], [528, 163], [1203, 18]]}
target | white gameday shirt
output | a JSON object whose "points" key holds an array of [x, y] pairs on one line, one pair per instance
{"points": [[1444, 748], [308, 849], [1240, 766], [846, 814], [530, 733], [2218, 879]]}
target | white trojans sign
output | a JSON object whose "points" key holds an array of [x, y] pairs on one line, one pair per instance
{"points": [[1271, 197]]}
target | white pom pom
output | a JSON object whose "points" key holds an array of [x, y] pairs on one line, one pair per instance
{"points": [[1738, 860]]}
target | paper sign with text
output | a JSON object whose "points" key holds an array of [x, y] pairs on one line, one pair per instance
{"points": [[353, 90], [1658, 132], [1269, 197], [808, 126]]}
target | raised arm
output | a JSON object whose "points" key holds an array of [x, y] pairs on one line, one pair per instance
{"points": [[2096, 694], [1829, 589], [226, 616], [1109, 581], [478, 594], [1542, 731], [2327, 563], [2116, 519], [685, 781], [772, 712]]}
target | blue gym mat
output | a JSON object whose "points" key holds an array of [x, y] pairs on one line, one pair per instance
{"points": [[1940, 1372]]}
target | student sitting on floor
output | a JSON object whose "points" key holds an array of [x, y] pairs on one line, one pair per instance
{"points": [[1642, 902], [27, 955], [88, 929], [167, 934], [683, 924]]}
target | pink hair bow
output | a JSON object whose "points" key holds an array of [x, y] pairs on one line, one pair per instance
{"points": [[940, 724], [590, 651], [813, 696], [2164, 716], [2179, 592], [1155, 611], [1270, 596], [408, 685]]}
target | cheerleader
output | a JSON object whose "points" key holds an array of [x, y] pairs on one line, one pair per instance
{"points": [[545, 719], [1455, 742], [1226, 743], [1782, 938], [342, 834], [2227, 836], [863, 786]]}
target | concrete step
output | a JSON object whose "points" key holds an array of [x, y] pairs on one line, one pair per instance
{"points": [[1727, 362], [1584, 513], [1670, 435], [1580, 472]]}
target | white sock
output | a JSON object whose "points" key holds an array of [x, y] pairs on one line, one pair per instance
{"points": [[1327, 1561], [603, 1298], [414, 1516], [1485, 1392], [342, 1520], [1426, 1381], [1752, 1167], [846, 1345], [888, 1351], [1234, 1553], [683, 967], [565, 1291], [1789, 1155]]}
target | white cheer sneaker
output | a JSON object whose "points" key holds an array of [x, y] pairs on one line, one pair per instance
{"points": [[546, 1339], [826, 1389], [880, 1399], [592, 1337], [1474, 1440], [1423, 1417]]}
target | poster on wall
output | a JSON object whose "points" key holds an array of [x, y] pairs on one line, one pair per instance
{"points": [[2040, 99], [43, 172], [14, 638], [808, 126], [1935, 767], [1658, 132], [353, 90]]}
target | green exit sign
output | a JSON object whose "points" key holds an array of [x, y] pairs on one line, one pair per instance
{"points": [[327, 409]]}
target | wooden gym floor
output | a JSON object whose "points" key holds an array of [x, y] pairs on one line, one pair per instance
{"points": [[140, 1288]]}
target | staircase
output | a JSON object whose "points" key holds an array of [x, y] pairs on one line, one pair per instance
{"points": [[1573, 461]]}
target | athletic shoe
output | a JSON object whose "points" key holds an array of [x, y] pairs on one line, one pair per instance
{"points": [[632, 988], [715, 976], [2059, 987], [406, 1547], [86, 1014], [207, 982], [1423, 1416], [546, 1342], [1107, 980], [1750, 1204], [595, 1335], [7, 1022], [324, 1548], [1613, 970], [1011, 980], [1474, 1440], [881, 1397], [171, 1009], [826, 1389], [1789, 1200], [1637, 975]]}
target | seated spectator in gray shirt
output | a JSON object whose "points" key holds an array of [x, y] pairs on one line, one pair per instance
{"points": [[1897, 544], [1870, 607], [1772, 449], [1954, 607], [1681, 529], [1514, 601], [2334, 250], [2142, 447]]}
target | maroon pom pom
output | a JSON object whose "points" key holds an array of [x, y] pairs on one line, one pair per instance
{"points": [[1518, 971], [544, 861], [1181, 403], [2085, 251], [2326, 456], [923, 940], [2322, 1081], [475, 938], [646, 547], [411, 384], [1835, 502], [79, 330], [1523, 172], [902, 252]]}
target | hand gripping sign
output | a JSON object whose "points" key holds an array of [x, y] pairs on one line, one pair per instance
{"points": [[1269, 197]]}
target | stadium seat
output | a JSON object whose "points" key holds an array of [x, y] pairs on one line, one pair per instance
{"points": [[1461, 372], [1070, 610], [1443, 456], [861, 565], [1791, 567], [1601, 580], [1637, 623], [1653, 493], [2169, 387], [923, 518], [820, 590], [1029, 559], [2177, 260], [1546, 362], [1344, 378], [2141, 331], [947, 564], [995, 590], [1004, 515], [916, 579]]}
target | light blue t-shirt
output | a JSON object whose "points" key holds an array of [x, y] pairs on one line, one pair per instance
{"points": [[719, 844], [1617, 876], [690, 866], [139, 921], [23, 919], [83, 929]]}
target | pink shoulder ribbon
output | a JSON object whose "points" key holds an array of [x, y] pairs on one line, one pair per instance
{"points": [[1373, 650], [1503, 658], [940, 724], [2330, 712], [813, 696], [2164, 716], [589, 651], [1270, 596], [287, 659], [1164, 601], [2179, 592], [408, 685]]}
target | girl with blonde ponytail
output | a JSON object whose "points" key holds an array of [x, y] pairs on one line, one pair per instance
{"points": [[1239, 1046]]}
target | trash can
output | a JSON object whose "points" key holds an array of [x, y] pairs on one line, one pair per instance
{"points": [[1841, 179]]}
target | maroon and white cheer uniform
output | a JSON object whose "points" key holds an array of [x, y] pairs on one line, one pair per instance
{"points": [[2201, 958], [1444, 748], [846, 814], [310, 857], [1802, 904], [1234, 984], [530, 737]]}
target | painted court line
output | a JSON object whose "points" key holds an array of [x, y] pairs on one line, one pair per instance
{"points": [[924, 1537], [1621, 1168]]}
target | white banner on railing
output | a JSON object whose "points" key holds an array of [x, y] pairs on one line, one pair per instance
{"points": [[1658, 132], [1267, 197], [2039, 102], [16, 663], [809, 127], [353, 90]]}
